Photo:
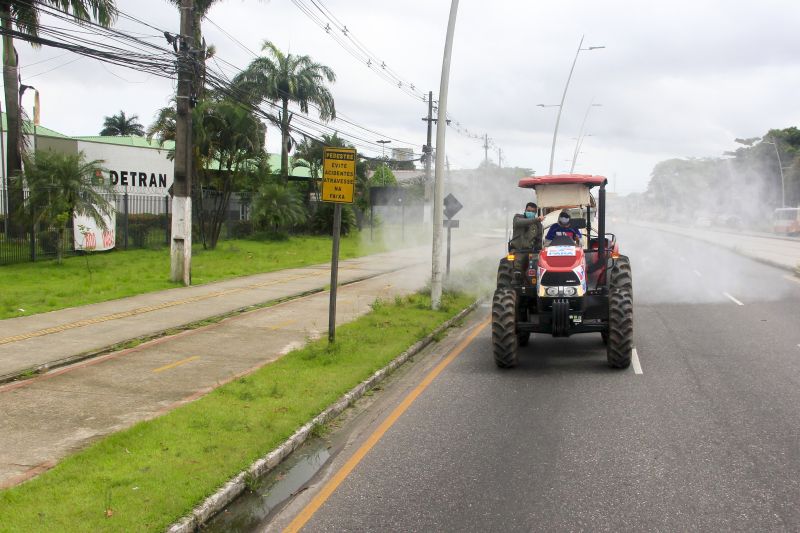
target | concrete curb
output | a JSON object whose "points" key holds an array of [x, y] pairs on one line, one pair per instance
{"points": [[233, 488]]}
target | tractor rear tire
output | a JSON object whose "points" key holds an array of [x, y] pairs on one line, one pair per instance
{"points": [[505, 272], [504, 328], [620, 314]]}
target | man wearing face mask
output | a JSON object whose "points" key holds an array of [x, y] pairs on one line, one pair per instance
{"points": [[527, 233], [563, 229]]}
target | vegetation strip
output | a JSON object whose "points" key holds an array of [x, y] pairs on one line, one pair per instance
{"points": [[32, 288], [146, 477]]}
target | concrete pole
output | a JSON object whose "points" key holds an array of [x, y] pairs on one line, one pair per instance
{"points": [[428, 146], [438, 196], [561, 105], [181, 245]]}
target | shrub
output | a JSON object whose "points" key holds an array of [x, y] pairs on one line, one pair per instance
{"points": [[241, 229], [322, 220]]}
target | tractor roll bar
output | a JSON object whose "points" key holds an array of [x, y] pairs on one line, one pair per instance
{"points": [[601, 223]]}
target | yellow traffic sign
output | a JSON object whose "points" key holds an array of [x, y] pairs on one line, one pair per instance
{"points": [[338, 175]]}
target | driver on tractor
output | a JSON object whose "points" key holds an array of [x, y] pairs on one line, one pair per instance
{"points": [[563, 229]]}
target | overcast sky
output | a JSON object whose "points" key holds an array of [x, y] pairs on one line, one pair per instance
{"points": [[676, 79]]}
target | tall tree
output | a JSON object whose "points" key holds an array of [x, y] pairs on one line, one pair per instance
{"points": [[285, 78], [229, 142], [24, 17], [63, 184], [120, 125]]}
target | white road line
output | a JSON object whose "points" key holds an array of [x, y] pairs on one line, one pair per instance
{"points": [[637, 367], [731, 298], [698, 274]]}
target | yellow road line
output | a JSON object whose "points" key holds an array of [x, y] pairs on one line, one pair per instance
{"points": [[176, 363], [322, 496], [142, 310]]}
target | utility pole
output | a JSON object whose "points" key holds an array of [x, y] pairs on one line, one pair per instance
{"points": [[181, 245], [499, 157], [438, 190], [428, 149], [486, 149]]}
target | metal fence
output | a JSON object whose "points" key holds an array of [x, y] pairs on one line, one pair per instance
{"points": [[142, 221]]}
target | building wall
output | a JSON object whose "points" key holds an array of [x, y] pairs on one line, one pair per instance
{"points": [[132, 169]]}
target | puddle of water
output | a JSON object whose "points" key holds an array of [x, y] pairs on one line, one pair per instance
{"points": [[253, 508]]}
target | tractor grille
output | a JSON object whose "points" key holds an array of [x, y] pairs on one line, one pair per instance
{"points": [[559, 279]]}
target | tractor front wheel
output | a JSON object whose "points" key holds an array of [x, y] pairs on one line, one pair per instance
{"points": [[619, 344], [504, 327]]}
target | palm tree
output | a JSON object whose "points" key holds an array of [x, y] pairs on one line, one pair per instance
{"points": [[285, 78], [119, 125], [228, 143], [277, 204], [63, 184], [25, 17], [164, 126]]}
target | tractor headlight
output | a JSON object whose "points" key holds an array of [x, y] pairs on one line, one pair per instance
{"points": [[569, 291], [552, 291]]}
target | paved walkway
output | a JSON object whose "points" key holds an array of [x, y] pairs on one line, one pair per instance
{"points": [[48, 340], [46, 418]]}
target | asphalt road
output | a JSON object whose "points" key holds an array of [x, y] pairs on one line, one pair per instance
{"points": [[705, 438]]}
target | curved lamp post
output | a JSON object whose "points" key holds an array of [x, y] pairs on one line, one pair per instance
{"points": [[780, 167], [564, 96], [581, 136]]}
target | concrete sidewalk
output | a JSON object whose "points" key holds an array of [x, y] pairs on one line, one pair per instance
{"points": [[45, 418], [40, 342]]}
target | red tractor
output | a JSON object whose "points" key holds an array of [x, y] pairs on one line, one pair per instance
{"points": [[565, 287]]}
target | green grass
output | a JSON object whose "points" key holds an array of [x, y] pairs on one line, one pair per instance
{"points": [[31, 288], [146, 477]]}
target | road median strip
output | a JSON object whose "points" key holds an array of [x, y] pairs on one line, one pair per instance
{"points": [[148, 476]]}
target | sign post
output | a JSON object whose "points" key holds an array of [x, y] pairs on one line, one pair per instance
{"points": [[338, 187], [451, 207]]}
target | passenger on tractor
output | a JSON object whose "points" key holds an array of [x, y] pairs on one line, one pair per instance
{"points": [[526, 236], [563, 229]]}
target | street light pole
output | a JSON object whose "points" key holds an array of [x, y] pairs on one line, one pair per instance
{"points": [[780, 168], [564, 96], [579, 142], [383, 147]]}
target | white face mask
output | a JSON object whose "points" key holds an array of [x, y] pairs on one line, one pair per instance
{"points": [[563, 221]]}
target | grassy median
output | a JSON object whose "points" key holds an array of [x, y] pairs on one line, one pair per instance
{"points": [[146, 477], [31, 288]]}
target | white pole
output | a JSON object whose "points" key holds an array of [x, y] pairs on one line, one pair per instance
{"points": [[561, 105], [780, 167], [579, 142], [438, 194]]}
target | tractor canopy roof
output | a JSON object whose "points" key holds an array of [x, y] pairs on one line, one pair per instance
{"points": [[534, 182], [563, 190]]}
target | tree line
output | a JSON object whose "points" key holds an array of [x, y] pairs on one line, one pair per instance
{"points": [[743, 185]]}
